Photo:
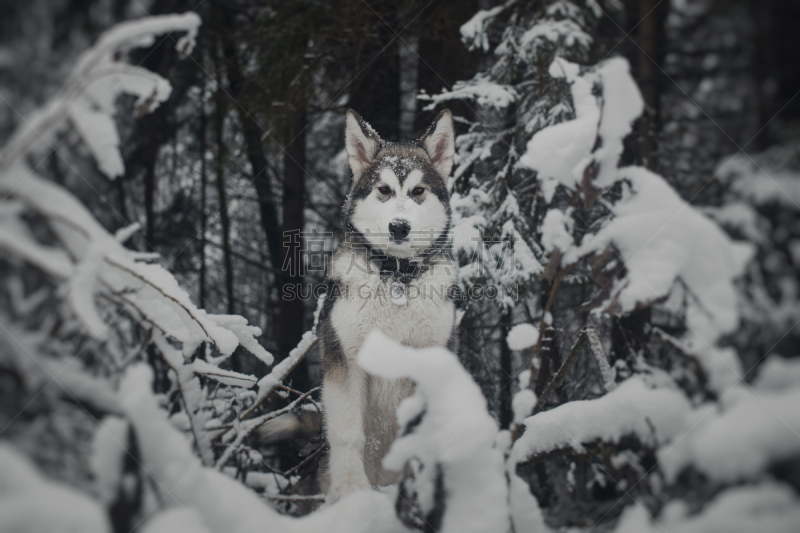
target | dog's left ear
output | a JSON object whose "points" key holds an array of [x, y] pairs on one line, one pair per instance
{"points": [[439, 142]]}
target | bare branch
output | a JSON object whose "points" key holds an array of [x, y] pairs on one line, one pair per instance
{"points": [[558, 379], [245, 429], [600, 358]]}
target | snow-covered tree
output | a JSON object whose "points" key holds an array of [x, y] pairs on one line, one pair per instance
{"points": [[498, 209], [81, 311], [638, 296]]}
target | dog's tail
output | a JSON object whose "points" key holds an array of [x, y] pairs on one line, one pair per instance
{"points": [[301, 425]]}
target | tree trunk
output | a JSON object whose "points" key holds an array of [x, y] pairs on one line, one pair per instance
{"points": [[291, 305], [409, 68], [150, 184], [375, 92], [506, 372], [761, 26], [203, 203], [252, 137], [651, 16], [223, 201], [154, 125]]}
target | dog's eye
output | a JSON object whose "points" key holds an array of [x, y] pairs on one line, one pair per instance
{"points": [[416, 191], [384, 190]]}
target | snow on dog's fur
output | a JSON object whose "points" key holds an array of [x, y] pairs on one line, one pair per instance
{"points": [[393, 273]]}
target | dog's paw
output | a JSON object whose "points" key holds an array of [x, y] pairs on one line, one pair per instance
{"points": [[345, 486]]}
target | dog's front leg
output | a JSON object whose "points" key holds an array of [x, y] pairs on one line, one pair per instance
{"points": [[344, 397]]}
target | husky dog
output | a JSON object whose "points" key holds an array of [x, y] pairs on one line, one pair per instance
{"points": [[393, 272]]}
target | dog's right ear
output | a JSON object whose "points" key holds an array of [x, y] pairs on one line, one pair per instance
{"points": [[362, 143], [439, 142]]}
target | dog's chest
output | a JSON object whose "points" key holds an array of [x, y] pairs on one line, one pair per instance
{"points": [[365, 303]]}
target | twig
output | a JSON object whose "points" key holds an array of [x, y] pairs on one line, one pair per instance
{"points": [[558, 379], [159, 289], [543, 324], [260, 400], [286, 373], [600, 358], [545, 359], [247, 428], [297, 392], [305, 461], [699, 371]]}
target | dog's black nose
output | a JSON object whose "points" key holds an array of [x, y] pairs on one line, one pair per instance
{"points": [[399, 229]]}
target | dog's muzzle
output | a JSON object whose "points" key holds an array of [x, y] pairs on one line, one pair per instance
{"points": [[399, 229]]}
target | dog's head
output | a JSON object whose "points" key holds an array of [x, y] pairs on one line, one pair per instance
{"points": [[399, 201]]}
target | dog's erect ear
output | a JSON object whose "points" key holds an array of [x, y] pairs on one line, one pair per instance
{"points": [[439, 142], [361, 141]]}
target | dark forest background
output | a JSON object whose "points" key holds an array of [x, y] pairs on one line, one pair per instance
{"points": [[249, 145], [248, 150]]}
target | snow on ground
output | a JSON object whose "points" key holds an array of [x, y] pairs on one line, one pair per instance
{"points": [[214, 501], [739, 438], [526, 516], [173, 520], [631, 408], [778, 373], [768, 506], [456, 432], [108, 457], [366, 511], [30, 503]]}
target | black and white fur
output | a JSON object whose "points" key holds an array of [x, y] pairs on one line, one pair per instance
{"points": [[393, 272]]}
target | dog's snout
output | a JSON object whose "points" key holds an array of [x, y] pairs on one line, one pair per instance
{"points": [[399, 229]]}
